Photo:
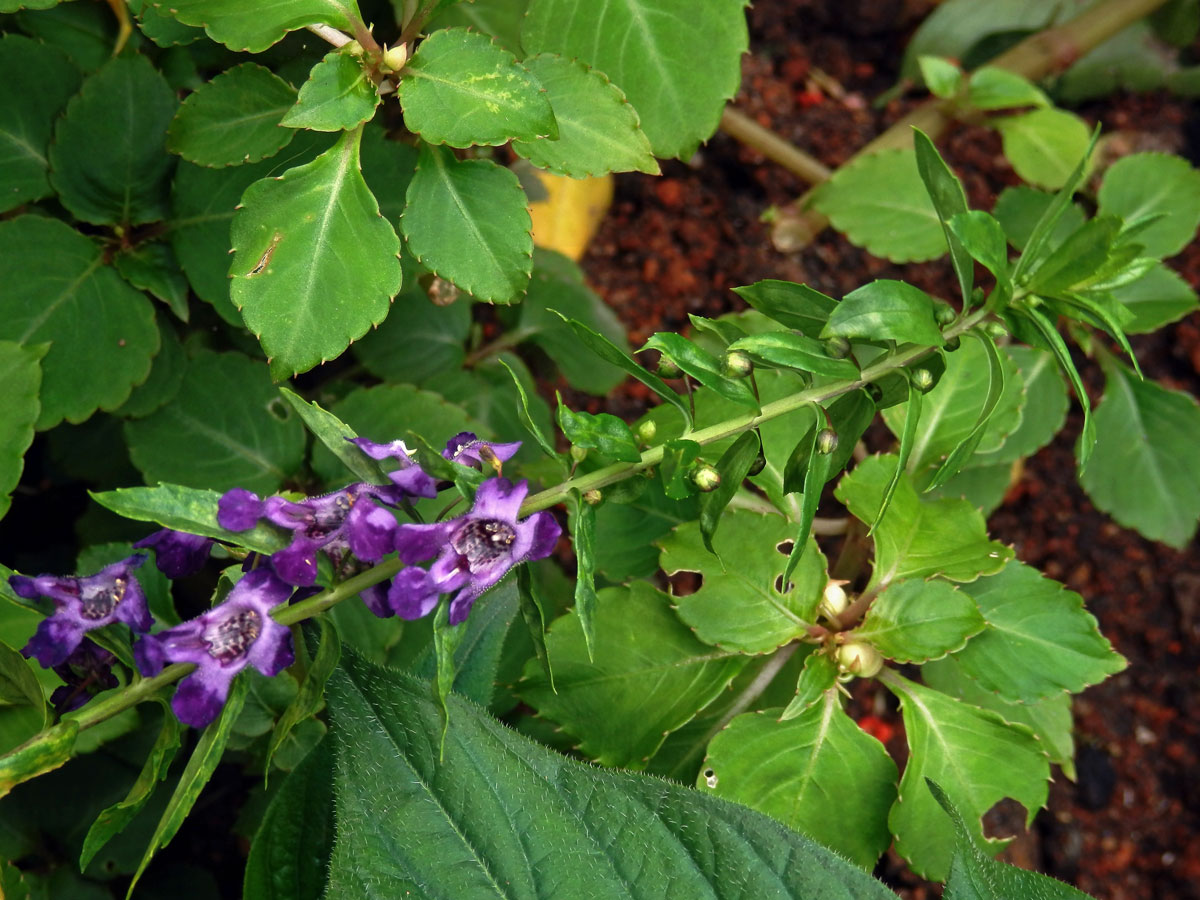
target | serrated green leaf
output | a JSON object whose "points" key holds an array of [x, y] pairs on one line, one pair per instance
{"points": [[1045, 145], [818, 676], [991, 88], [793, 305], [86, 33], [108, 161], [886, 310], [1149, 184], [152, 267], [467, 221], [1020, 209], [649, 676], [462, 89], [602, 432], [233, 119], [818, 773], [915, 621], [942, 77], [1043, 407], [339, 95], [39, 80], [980, 759], [440, 332], [314, 265], [20, 381], [702, 366], [227, 427], [626, 531], [949, 200], [501, 19], [60, 292], [598, 131], [899, 224], [1156, 299], [733, 467], [254, 27], [740, 606], [918, 537], [160, 26], [335, 435], [649, 48], [794, 351]]}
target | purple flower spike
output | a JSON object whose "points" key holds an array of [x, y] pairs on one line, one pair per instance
{"points": [[81, 604], [410, 478], [222, 642], [177, 553], [473, 551], [467, 449]]}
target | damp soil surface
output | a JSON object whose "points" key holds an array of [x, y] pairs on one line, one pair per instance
{"points": [[1126, 829]]}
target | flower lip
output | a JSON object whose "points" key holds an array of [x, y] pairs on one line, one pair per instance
{"points": [[468, 450]]}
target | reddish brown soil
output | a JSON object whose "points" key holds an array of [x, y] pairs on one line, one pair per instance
{"points": [[1127, 829]]}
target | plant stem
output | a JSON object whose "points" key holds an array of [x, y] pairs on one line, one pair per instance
{"points": [[741, 127]]}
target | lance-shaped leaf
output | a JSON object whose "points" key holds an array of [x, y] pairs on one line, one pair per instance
{"points": [[702, 366], [233, 119], [527, 419], [794, 351], [949, 200], [733, 467], [818, 773], [741, 604], [1049, 333], [815, 476], [1146, 429], [338, 96], [315, 265], [20, 381], [650, 48], [255, 27], [1039, 638], [461, 88], [108, 161], [886, 310], [467, 221], [908, 434], [583, 540], [43, 753], [978, 757], [794, 305], [918, 537], [1144, 185], [818, 676], [58, 291], [1043, 407], [649, 676], [532, 611], [918, 620], [335, 435], [964, 449], [38, 80]]}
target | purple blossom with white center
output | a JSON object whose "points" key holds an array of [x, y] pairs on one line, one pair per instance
{"points": [[410, 478], [177, 553], [82, 604], [221, 642], [468, 450], [473, 551], [345, 521]]}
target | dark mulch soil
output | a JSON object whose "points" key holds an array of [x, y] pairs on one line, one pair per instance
{"points": [[1127, 829]]}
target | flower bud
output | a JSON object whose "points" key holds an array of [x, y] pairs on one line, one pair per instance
{"points": [[995, 329], [579, 454], [705, 477], [646, 431], [736, 364], [667, 367], [395, 58], [857, 658], [922, 380], [837, 347], [592, 497], [827, 441], [953, 343], [943, 312], [875, 392], [760, 463], [834, 601]]}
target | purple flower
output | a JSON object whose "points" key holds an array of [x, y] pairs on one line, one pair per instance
{"points": [[345, 521], [177, 553], [81, 604], [410, 478], [222, 642], [473, 551], [465, 448], [87, 672]]}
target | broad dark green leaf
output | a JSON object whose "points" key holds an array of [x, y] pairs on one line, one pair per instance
{"points": [[414, 322], [253, 27], [702, 366], [335, 435], [795, 305], [949, 200], [602, 432], [108, 161], [20, 381], [886, 310], [160, 26], [86, 33], [501, 19], [583, 541], [794, 351], [1154, 184], [917, 620], [152, 267], [626, 530], [338, 96], [733, 467]]}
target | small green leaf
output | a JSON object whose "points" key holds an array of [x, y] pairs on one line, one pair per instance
{"points": [[152, 267], [335, 434], [942, 77], [603, 432], [733, 467], [310, 697], [982, 236], [233, 119], [251, 27], [818, 676], [949, 200], [886, 310], [794, 351], [1044, 145], [991, 88], [793, 305], [1141, 185], [675, 468], [338, 96], [702, 366], [20, 381], [915, 621], [467, 221]]}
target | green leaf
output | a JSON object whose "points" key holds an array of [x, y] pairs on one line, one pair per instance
{"points": [[740, 605], [199, 770], [602, 432], [112, 821], [462, 89], [1146, 429], [233, 119], [532, 611], [899, 224], [86, 33], [255, 28], [819, 674], [43, 753], [500, 814], [501, 19], [915, 621], [338, 96], [949, 200], [1020, 209], [310, 698], [794, 351], [227, 427], [60, 292], [1077, 259], [527, 419], [792, 305], [466, 220], [733, 467], [1141, 185], [702, 366], [598, 131], [964, 449], [907, 435], [1045, 145], [1042, 411], [675, 469], [942, 77], [152, 267], [819, 774], [19, 686], [439, 331], [815, 476], [20, 380], [335, 434], [982, 237], [1158, 298], [108, 161], [312, 236], [991, 88], [583, 541], [187, 509], [626, 530], [1039, 639], [886, 310], [649, 675], [289, 857], [39, 80], [918, 537], [160, 26], [649, 49], [974, 876], [1045, 328], [979, 757]]}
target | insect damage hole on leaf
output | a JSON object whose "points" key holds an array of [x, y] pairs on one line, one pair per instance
{"points": [[265, 259]]}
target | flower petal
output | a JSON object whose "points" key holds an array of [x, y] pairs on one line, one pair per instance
{"points": [[413, 593], [201, 695], [177, 553], [499, 498], [297, 562], [416, 543], [239, 510], [546, 532], [55, 639], [371, 530]]}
